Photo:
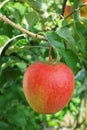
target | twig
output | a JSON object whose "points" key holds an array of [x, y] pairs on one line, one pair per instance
{"points": [[1, 49], [63, 7], [84, 4], [5, 19], [1, 5], [50, 56]]}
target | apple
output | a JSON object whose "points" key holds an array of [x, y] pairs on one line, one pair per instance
{"points": [[67, 10], [48, 87], [84, 1], [83, 11]]}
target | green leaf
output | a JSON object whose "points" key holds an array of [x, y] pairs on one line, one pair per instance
{"points": [[83, 89], [8, 76], [81, 75], [36, 4], [73, 108], [79, 29], [19, 7], [18, 119], [9, 41], [71, 59], [2, 101], [3, 125], [66, 34], [55, 40], [32, 18], [3, 40], [39, 7]]}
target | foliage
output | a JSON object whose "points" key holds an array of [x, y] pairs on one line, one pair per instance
{"points": [[68, 39]]}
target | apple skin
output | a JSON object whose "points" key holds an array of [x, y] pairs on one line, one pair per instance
{"points": [[84, 1], [67, 10], [83, 11], [48, 88]]}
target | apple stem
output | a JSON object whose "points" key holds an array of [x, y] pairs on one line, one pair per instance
{"points": [[51, 60], [50, 56]]}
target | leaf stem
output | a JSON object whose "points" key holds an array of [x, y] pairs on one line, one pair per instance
{"points": [[50, 56]]}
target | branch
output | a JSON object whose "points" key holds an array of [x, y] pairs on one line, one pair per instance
{"points": [[63, 7], [84, 4], [3, 3], [1, 49], [5, 19]]}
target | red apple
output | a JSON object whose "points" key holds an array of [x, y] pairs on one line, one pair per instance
{"points": [[84, 1], [47, 87], [83, 11], [67, 10]]}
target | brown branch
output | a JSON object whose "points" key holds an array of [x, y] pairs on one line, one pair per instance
{"points": [[5, 19], [63, 7], [84, 4]]}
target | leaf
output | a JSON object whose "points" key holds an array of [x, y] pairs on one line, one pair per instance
{"points": [[2, 101], [3, 40], [18, 45], [36, 4], [3, 125], [55, 40], [32, 18], [18, 119], [56, 43], [8, 41], [71, 59], [39, 7], [20, 7], [80, 76], [8, 76], [21, 42], [66, 34], [79, 29], [83, 89]]}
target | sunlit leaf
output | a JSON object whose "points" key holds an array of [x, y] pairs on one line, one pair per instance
{"points": [[32, 18], [67, 35]]}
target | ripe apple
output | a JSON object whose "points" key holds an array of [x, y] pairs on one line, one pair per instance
{"points": [[67, 10], [48, 87], [83, 11], [84, 1]]}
